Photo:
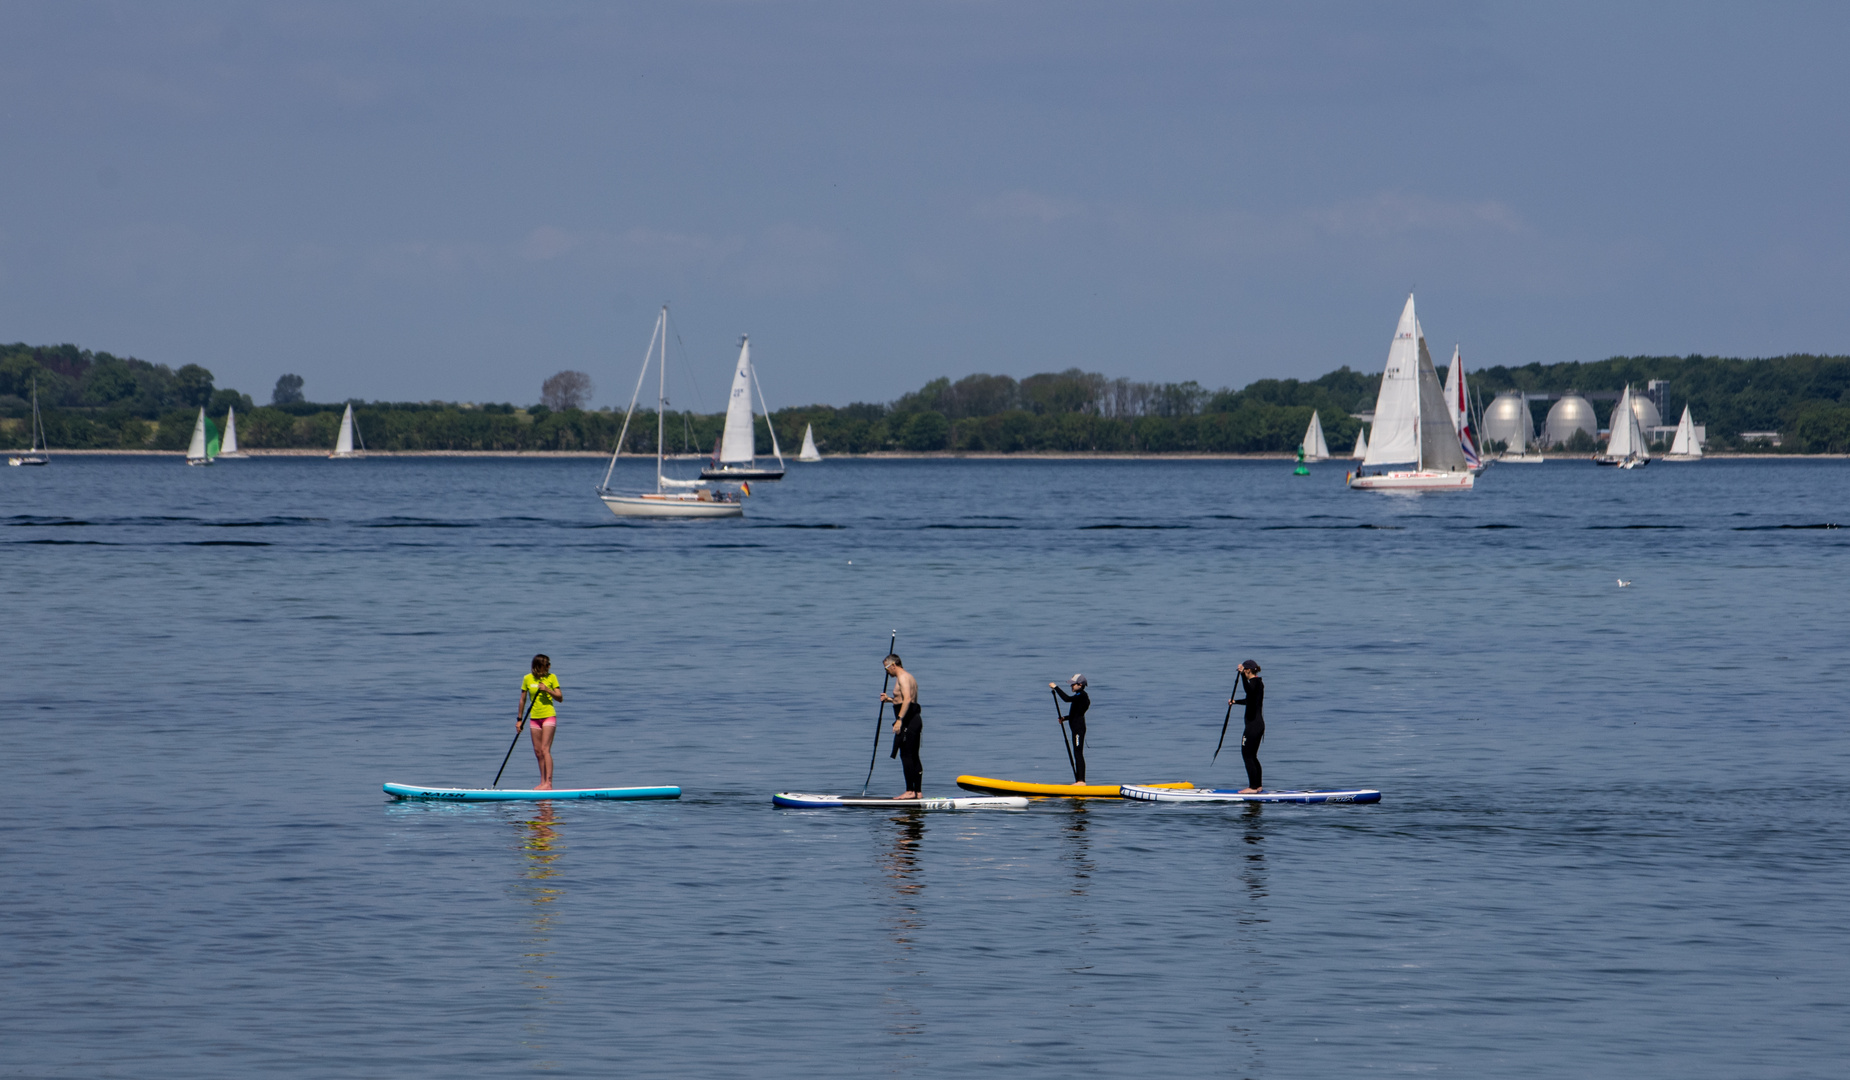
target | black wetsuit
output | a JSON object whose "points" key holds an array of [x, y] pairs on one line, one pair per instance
{"points": [[1254, 730], [906, 745], [1076, 721]]}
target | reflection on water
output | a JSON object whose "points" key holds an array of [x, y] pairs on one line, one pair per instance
{"points": [[1249, 916], [899, 864], [541, 842]]}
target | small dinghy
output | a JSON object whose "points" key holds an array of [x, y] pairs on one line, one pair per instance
{"points": [[800, 801], [411, 791], [1159, 794], [984, 785]]}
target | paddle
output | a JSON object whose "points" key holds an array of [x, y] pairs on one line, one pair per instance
{"points": [[518, 728], [880, 716], [1066, 739], [1238, 681]]}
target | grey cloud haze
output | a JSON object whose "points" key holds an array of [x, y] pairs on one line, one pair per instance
{"points": [[436, 200]]}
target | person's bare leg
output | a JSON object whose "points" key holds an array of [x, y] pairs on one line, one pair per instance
{"points": [[542, 752]]}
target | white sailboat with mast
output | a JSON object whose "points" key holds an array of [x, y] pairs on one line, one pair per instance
{"points": [[671, 497], [37, 455], [1626, 447], [1458, 403], [349, 432], [1360, 453], [228, 448], [1315, 449], [737, 458], [1412, 427], [204, 446], [809, 451], [1685, 446]]}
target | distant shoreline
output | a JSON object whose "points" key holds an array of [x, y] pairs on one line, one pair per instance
{"points": [[881, 455]]}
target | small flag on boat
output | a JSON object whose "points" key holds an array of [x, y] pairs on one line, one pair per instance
{"points": [[745, 486]]}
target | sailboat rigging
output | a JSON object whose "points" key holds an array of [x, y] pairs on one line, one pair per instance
{"points": [[736, 458], [37, 454], [699, 502], [1412, 424], [1458, 403]]}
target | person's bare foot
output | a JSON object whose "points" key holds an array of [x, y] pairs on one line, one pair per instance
{"points": [[547, 786], [1250, 790], [909, 795]]}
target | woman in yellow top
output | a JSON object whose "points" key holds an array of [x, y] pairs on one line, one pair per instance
{"points": [[543, 686]]}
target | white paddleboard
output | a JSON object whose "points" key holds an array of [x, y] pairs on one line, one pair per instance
{"points": [[813, 802], [1225, 795]]}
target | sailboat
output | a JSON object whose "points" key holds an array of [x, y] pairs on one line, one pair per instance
{"points": [[38, 456], [1361, 445], [1684, 446], [1520, 448], [1626, 448], [737, 456], [693, 499], [1458, 403], [204, 446], [1412, 425], [343, 445], [809, 452], [1315, 449], [228, 449]]}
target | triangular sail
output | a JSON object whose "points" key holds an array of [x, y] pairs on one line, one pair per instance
{"points": [[1685, 444], [739, 444], [1315, 449], [1396, 436], [1439, 448], [1458, 403], [231, 432], [344, 444], [809, 452], [212, 444], [1360, 453], [196, 450], [1624, 442]]}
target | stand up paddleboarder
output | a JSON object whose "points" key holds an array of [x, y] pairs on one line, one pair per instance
{"points": [[1255, 725], [1077, 704], [543, 686], [908, 723]]}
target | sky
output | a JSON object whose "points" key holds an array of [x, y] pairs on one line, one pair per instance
{"points": [[418, 201]]}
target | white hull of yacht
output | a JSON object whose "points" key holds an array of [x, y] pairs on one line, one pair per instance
{"points": [[1521, 459], [1415, 480], [28, 459], [676, 504], [199, 461]]}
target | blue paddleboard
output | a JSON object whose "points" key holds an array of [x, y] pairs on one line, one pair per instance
{"points": [[447, 794]]}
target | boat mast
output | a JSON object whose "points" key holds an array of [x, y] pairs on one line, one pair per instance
{"points": [[661, 401]]}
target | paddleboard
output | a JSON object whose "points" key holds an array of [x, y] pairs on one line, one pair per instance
{"points": [[989, 786], [411, 791], [1151, 793], [812, 802]]}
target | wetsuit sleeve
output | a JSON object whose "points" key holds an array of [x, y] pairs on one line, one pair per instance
{"points": [[1062, 694]]}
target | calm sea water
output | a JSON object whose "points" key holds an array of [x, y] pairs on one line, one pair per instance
{"points": [[1614, 838]]}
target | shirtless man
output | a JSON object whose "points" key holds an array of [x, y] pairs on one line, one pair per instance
{"points": [[907, 724]]}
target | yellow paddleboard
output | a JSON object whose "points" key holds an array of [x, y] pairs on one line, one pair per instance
{"points": [[987, 786]]}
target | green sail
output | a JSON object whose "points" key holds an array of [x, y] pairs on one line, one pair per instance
{"points": [[211, 439]]}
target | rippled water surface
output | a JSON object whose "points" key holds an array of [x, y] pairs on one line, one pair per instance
{"points": [[1613, 838]]}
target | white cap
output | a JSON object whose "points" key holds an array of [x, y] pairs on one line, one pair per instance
{"points": [[1078, 680]]}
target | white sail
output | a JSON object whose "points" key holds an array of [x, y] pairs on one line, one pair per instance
{"points": [[1397, 406], [1440, 449], [1685, 444], [1455, 389], [343, 446], [809, 452], [738, 445], [1626, 440], [229, 446], [196, 450], [1315, 449], [1360, 453]]}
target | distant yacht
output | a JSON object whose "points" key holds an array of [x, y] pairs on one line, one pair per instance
{"points": [[1626, 447], [737, 456], [228, 449], [809, 452], [1685, 446], [1361, 445], [692, 500], [1458, 403], [1412, 425], [37, 454], [343, 445], [204, 446], [1315, 449]]}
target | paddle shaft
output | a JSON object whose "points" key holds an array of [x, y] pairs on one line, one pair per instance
{"points": [[1238, 681], [1066, 737], [880, 716], [518, 728]]}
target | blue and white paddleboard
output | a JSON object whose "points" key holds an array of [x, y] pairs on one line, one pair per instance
{"points": [[815, 802], [1156, 794], [448, 794]]}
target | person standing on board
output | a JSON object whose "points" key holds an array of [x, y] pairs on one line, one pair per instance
{"points": [[1075, 722], [908, 723], [1255, 725], [542, 686]]}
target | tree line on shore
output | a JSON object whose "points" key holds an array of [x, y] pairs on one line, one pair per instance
{"points": [[99, 401]]}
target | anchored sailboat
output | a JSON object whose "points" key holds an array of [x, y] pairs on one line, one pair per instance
{"points": [[737, 457], [1412, 425], [204, 446], [699, 502], [809, 452], [343, 445], [1684, 446], [37, 454], [1626, 447], [1315, 449], [1458, 403], [229, 448]]}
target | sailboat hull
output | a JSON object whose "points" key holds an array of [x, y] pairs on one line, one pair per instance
{"points": [[199, 461], [28, 459], [1415, 480], [1520, 459], [670, 505], [724, 473]]}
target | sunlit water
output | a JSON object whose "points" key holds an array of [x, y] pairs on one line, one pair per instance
{"points": [[1613, 838]]}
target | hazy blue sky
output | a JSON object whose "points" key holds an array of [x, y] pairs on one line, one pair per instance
{"points": [[412, 201]]}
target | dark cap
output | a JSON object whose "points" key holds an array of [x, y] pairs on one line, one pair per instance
{"points": [[1250, 665]]}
